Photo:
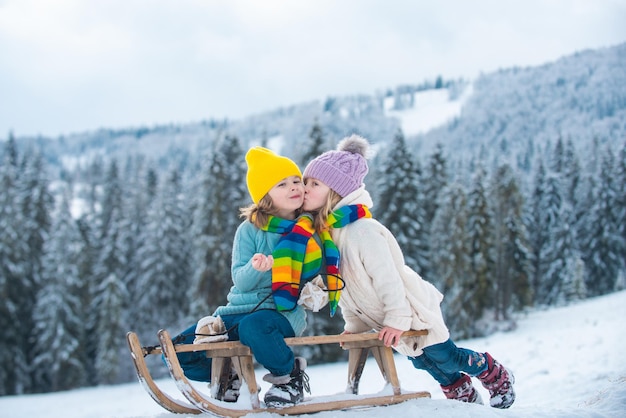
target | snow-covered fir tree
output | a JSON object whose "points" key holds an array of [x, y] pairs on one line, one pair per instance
{"points": [[14, 370], [450, 268], [35, 203], [58, 315], [221, 193], [560, 257], [164, 267], [139, 192], [604, 245], [621, 208], [480, 230], [107, 321], [110, 302], [571, 174], [586, 190], [397, 204], [434, 179], [512, 259], [316, 145]]}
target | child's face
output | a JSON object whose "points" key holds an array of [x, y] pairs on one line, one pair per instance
{"points": [[287, 196], [315, 194]]}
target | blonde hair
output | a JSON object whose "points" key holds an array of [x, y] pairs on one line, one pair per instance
{"points": [[258, 213], [320, 216]]}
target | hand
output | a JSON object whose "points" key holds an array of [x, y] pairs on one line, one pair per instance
{"points": [[262, 262], [390, 336]]}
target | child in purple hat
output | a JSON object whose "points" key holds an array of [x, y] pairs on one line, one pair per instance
{"points": [[381, 293]]}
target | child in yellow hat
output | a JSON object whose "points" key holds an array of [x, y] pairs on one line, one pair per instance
{"points": [[261, 311]]}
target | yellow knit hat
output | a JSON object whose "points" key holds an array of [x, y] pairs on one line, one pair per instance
{"points": [[265, 170]]}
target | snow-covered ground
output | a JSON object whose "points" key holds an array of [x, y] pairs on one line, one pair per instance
{"points": [[568, 362]]}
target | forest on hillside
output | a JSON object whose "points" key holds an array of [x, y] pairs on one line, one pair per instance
{"points": [[151, 250], [503, 209]]}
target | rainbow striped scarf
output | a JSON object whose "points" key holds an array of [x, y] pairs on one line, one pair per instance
{"points": [[338, 219], [298, 257]]}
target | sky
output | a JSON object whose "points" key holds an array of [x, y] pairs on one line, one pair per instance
{"points": [[567, 362], [70, 66]]}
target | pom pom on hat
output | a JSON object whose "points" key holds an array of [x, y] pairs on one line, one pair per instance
{"points": [[265, 170], [342, 170]]}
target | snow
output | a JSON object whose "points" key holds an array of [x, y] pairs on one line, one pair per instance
{"points": [[431, 109], [567, 363]]}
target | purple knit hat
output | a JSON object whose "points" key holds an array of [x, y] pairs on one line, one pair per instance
{"points": [[342, 170]]}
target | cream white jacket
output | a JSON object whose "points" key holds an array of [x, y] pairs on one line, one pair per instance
{"points": [[380, 290]]}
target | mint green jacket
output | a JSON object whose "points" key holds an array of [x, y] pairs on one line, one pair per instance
{"points": [[250, 286]]}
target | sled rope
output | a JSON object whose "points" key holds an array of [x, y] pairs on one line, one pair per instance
{"points": [[180, 337]]}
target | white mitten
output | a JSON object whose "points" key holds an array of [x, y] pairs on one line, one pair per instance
{"points": [[210, 329], [313, 296]]}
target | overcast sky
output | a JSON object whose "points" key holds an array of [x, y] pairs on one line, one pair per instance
{"points": [[76, 65]]}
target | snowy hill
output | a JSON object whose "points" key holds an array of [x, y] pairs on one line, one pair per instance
{"points": [[567, 363], [431, 109], [578, 98]]}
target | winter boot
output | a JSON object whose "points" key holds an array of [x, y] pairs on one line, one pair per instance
{"points": [[499, 381], [462, 390], [229, 388], [288, 390]]}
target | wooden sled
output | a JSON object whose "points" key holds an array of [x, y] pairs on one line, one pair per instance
{"points": [[138, 354], [233, 352]]}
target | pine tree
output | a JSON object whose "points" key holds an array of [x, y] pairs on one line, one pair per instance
{"points": [[110, 297], [434, 179], [139, 192], [86, 266], [557, 157], [450, 256], [586, 194], [110, 302], [317, 144], [59, 326], [35, 203], [571, 174], [111, 199], [512, 282], [602, 254], [94, 180], [421, 244], [517, 292], [480, 230], [538, 227], [13, 361], [397, 202], [549, 209], [620, 204], [11, 154], [216, 218], [559, 256], [165, 268], [574, 287]]}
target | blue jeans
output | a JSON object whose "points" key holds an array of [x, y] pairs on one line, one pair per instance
{"points": [[263, 331], [445, 361]]}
